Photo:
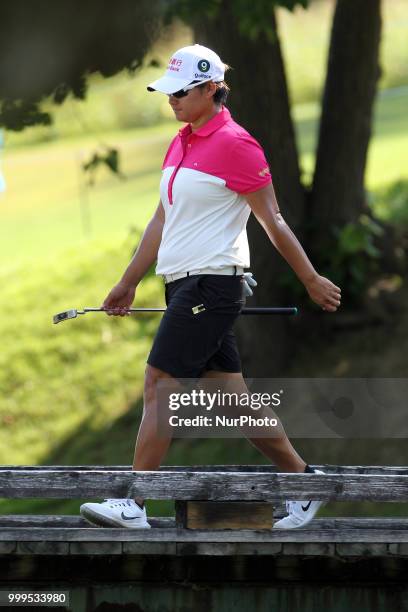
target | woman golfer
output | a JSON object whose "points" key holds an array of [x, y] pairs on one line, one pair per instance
{"points": [[214, 175]]}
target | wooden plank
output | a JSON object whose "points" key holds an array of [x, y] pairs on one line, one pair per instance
{"points": [[206, 486], [269, 487], [160, 522], [42, 548], [149, 548], [95, 548], [269, 468], [398, 548], [51, 483], [52, 521], [8, 548], [229, 548], [35, 534], [361, 522], [361, 549], [42, 520], [224, 515], [320, 549], [302, 549]]}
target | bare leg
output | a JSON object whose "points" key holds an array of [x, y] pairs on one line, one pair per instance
{"points": [[277, 449], [150, 449]]}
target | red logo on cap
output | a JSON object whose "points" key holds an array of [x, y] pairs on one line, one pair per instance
{"points": [[174, 64]]}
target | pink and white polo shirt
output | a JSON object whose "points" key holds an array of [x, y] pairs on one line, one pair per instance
{"points": [[206, 175]]}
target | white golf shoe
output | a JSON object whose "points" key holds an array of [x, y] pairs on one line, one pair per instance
{"points": [[116, 513], [300, 513]]}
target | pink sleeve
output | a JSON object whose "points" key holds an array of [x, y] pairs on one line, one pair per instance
{"points": [[249, 168]]}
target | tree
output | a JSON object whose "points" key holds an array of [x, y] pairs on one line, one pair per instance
{"points": [[338, 194], [49, 48], [338, 198]]}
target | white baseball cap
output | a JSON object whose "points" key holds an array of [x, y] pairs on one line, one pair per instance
{"points": [[193, 63]]}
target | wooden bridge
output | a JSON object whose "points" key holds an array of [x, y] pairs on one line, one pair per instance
{"points": [[223, 513]]}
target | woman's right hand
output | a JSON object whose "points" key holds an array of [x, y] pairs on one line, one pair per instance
{"points": [[120, 298]]}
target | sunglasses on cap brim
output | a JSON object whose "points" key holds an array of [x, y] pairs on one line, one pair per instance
{"points": [[181, 93]]}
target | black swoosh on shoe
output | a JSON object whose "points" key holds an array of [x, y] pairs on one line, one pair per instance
{"points": [[306, 508], [129, 518]]}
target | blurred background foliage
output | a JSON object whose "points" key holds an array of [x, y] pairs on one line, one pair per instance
{"points": [[122, 102], [71, 394]]}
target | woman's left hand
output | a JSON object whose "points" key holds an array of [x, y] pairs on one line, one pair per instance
{"points": [[324, 293]]}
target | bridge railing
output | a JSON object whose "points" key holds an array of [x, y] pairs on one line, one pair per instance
{"points": [[218, 496]]}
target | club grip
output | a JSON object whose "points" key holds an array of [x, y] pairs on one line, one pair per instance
{"points": [[290, 310]]}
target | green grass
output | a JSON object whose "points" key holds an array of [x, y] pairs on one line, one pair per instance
{"points": [[41, 209], [54, 379], [388, 151]]}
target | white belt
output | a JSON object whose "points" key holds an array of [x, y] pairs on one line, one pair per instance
{"points": [[228, 271]]}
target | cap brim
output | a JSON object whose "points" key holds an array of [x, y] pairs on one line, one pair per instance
{"points": [[168, 85]]}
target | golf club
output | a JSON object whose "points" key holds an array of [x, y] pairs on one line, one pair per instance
{"points": [[73, 313]]}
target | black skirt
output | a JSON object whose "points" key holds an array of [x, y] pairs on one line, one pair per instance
{"points": [[195, 334]]}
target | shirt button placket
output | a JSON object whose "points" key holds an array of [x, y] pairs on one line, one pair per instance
{"points": [[173, 176]]}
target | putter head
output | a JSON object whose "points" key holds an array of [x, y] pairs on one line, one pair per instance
{"points": [[62, 316]]}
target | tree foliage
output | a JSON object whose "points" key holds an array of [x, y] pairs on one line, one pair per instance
{"points": [[252, 18], [48, 48]]}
